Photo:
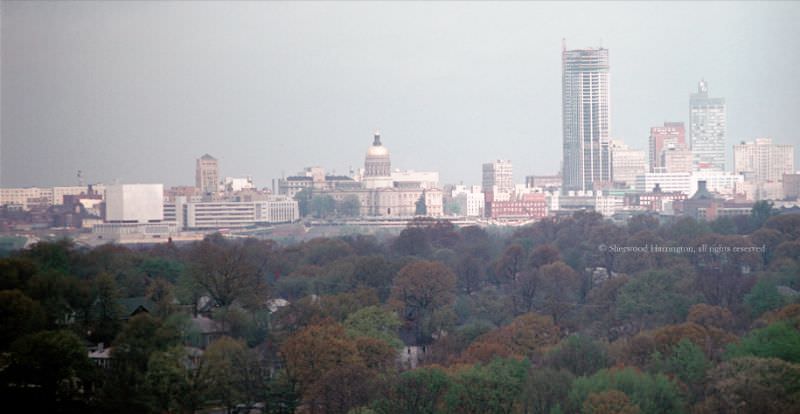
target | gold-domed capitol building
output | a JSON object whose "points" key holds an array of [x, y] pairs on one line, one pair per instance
{"points": [[380, 191], [377, 165]]}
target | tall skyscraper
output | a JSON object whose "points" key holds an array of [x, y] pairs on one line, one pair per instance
{"points": [[498, 178], [585, 104], [670, 137], [707, 121], [206, 176]]}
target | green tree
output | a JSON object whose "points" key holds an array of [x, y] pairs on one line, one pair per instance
{"points": [[19, 315], [303, 198], [652, 393], [175, 382], [578, 354], [43, 368], [420, 208], [234, 374], [764, 297], [62, 297], [159, 267], [282, 395], [609, 402], [778, 340], [374, 322], [688, 362], [655, 297], [762, 211], [412, 241], [15, 272], [545, 390], [374, 272], [350, 206], [188, 291], [125, 388], [228, 273], [471, 274], [508, 267], [418, 391], [322, 206], [106, 311], [57, 256], [492, 388]]}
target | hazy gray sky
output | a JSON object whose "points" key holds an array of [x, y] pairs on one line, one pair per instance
{"points": [[136, 91]]}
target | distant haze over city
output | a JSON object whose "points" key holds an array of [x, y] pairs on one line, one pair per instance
{"points": [[137, 91]]}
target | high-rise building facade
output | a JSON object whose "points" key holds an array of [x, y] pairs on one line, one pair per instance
{"points": [[206, 176], [670, 137], [626, 163], [707, 119], [498, 177], [761, 160], [585, 114], [676, 159]]}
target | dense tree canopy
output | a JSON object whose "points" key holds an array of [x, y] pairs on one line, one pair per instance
{"points": [[435, 319]]}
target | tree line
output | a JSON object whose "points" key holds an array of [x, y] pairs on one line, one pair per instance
{"points": [[438, 319]]}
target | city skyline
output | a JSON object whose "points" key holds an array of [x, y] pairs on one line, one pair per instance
{"points": [[465, 100]]}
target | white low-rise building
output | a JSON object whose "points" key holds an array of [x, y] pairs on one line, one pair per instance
{"points": [[470, 200], [423, 179], [721, 182], [27, 197], [667, 181], [234, 184], [231, 214], [607, 205], [134, 231]]}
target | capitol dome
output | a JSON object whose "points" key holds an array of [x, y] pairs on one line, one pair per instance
{"points": [[377, 162], [377, 151]]}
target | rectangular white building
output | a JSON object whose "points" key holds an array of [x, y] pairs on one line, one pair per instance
{"points": [[720, 182], [234, 184], [470, 200], [668, 182], [134, 203], [498, 177], [425, 179], [763, 161], [231, 214], [28, 197], [626, 163]]}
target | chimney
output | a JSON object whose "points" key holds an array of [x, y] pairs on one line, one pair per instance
{"points": [[701, 186], [657, 188]]}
